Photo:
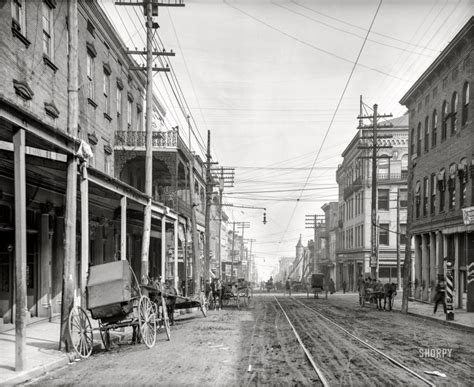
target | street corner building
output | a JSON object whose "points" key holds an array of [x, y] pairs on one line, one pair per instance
{"points": [[83, 180], [441, 166]]}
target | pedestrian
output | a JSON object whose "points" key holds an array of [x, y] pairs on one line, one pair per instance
{"points": [[288, 286], [344, 286], [440, 296], [332, 286]]}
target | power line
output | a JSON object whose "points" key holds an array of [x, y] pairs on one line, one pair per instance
{"points": [[335, 112], [312, 45]]}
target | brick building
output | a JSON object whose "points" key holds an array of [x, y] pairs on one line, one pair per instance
{"points": [[442, 169], [34, 127]]}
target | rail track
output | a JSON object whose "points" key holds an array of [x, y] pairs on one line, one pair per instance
{"points": [[362, 344]]}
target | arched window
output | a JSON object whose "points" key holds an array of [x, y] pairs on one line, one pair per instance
{"points": [[434, 128], [412, 142], [418, 139], [427, 134], [444, 124], [465, 103], [454, 112], [404, 166]]}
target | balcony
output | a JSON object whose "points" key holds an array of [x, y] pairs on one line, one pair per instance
{"points": [[353, 187], [135, 140], [403, 176]]}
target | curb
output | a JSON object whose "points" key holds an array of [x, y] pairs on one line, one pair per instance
{"points": [[443, 322], [38, 371]]}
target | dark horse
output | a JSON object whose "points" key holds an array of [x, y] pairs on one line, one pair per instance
{"points": [[386, 292], [390, 291]]}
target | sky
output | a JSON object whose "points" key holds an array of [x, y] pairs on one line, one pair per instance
{"points": [[275, 83]]}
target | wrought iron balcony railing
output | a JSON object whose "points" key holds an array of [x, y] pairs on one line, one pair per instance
{"points": [[136, 139]]}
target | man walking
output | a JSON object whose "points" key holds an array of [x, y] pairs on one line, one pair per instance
{"points": [[440, 296]]}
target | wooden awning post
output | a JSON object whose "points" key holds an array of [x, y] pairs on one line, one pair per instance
{"points": [[19, 147], [123, 228], [84, 229], [176, 226], [163, 248]]}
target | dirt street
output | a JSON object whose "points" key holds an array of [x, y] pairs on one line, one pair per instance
{"points": [[256, 346]]}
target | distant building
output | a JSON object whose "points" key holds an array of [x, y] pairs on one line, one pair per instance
{"points": [[354, 178], [442, 169], [328, 264]]}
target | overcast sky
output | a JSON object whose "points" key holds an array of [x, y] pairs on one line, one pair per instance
{"points": [[265, 77]]}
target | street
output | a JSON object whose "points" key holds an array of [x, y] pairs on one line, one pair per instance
{"points": [[256, 346]]}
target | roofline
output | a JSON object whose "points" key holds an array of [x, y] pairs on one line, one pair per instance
{"points": [[465, 30]]}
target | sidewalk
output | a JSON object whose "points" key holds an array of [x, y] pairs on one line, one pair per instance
{"points": [[42, 354]]}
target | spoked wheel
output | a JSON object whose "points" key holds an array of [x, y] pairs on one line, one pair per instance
{"points": [[80, 331], [147, 321], [203, 305], [165, 318], [105, 336]]}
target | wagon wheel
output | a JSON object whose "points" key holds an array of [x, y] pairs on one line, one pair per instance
{"points": [[147, 321], [105, 336], [165, 318], [80, 332]]}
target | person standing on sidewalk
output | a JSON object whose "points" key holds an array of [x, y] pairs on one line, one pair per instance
{"points": [[288, 286], [440, 296], [344, 286]]}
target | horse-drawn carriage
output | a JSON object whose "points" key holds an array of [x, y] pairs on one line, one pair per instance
{"points": [[116, 300], [239, 292], [317, 284], [374, 292]]}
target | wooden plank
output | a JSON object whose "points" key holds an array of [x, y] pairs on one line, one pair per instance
{"points": [[19, 144]]}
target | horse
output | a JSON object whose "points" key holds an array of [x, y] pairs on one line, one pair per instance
{"points": [[390, 291]]}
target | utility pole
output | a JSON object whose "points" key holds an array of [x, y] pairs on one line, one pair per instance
{"points": [[243, 225], [150, 9], [194, 234], [399, 274], [225, 176], [69, 266], [315, 222], [209, 186], [374, 148]]}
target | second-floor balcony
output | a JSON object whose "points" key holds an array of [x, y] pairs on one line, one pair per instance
{"points": [[135, 140]]}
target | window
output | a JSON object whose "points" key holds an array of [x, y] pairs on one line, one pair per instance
{"points": [[433, 193], [465, 104], [427, 134], [139, 117], [434, 126], [425, 196], [442, 190], [404, 163], [454, 113], [418, 139], [90, 75], [403, 198], [403, 234], [119, 102], [462, 173], [106, 92], [452, 186], [129, 113], [412, 142], [444, 124], [47, 30], [417, 199], [384, 234], [107, 163], [18, 16], [383, 199]]}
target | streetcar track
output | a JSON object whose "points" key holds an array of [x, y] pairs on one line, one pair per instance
{"points": [[308, 355], [360, 341]]}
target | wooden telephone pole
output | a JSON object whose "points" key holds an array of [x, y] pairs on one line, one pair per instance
{"points": [[69, 267], [151, 9], [374, 147]]}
